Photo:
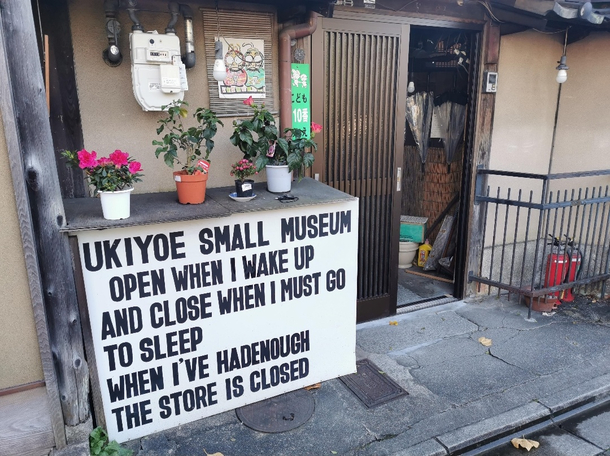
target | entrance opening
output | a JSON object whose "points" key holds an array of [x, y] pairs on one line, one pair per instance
{"points": [[440, 68]]}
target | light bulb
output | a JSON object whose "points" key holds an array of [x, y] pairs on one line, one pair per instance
{"points": [[220, 70], [562, 76], [411, 87]]}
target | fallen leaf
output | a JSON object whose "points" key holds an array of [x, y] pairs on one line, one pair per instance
{"points": [[525, 443], [485, 341], [313, 387], [333, 452], [212, 454], [393, 323]]}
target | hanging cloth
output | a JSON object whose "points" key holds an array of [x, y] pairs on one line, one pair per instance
{"points": [[419, 118], [451, 117]]}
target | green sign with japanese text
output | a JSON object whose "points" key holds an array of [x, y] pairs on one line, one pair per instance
{"points": [[299, 74]]}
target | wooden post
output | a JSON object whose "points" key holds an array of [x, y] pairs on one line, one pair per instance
{"points": [[482, 148], [32, 153]]}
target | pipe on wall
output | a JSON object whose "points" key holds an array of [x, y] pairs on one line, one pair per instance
{"points": [[285, 37]]}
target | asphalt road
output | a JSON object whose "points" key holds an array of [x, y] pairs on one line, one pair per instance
{"points": [[584, 433]]}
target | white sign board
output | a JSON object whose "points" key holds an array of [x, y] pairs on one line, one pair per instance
{"points": [[195, 318]]}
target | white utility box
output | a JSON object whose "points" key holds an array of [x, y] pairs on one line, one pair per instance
{"points": [[157, 72]]}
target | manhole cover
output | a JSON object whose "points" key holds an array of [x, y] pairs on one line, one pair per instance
{"points": [[278, 414], [372, 386]]}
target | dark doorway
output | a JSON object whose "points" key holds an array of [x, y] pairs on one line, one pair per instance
{"points": [[441, 63]]}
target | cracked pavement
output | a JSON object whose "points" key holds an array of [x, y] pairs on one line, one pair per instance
{"points": [[460, 392]]}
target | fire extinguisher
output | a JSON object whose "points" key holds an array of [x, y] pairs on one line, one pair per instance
{"points": [[556, 269], [575, 260], [562, 266]]}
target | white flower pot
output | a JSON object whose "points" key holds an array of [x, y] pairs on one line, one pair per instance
{"points": [[279, 178], [116, 205]]}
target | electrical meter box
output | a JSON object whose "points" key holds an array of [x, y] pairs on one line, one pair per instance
{"points": [[157, 72]]}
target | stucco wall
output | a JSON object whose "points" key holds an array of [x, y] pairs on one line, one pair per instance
{"points": [[523, 120], [112, 118], [19, 355], [583, 136]]}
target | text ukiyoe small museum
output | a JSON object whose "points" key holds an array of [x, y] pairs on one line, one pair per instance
{"points": [[479, 126]]}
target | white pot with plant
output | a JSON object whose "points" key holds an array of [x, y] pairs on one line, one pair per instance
{"points": [[111, 177], [260, 143]]}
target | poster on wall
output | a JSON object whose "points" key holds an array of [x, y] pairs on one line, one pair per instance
{"points": [[245, 62], [194, 318], [299, 77]]}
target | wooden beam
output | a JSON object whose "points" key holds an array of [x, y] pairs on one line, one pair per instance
{"points": [[485, 108], [29, 244], [41, 210]]}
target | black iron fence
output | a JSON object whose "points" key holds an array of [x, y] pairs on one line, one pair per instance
{"points": [[544, 238]]}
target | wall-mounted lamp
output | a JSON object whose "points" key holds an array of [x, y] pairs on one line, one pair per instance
{"points": [[562, 73], [220, 70]]}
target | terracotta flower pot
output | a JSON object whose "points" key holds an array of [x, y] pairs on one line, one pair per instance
{"points": [[190, 187]]}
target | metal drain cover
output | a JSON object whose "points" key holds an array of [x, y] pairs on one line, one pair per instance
{"points": [[372, 386], [278, 414]]}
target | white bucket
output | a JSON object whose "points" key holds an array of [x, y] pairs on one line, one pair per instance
{"points": [[406, 254], [116, 205], [279, 178]]}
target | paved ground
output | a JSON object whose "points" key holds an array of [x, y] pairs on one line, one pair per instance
{"points": [[587, 433], [461, 393]]}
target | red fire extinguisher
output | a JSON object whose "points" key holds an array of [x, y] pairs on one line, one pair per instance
{"points": [[556, 269], [575, 260], [562, 266]]}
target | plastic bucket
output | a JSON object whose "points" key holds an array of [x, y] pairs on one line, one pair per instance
{"points": [[406, 254]]}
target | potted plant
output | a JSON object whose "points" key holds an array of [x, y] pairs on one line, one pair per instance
{"points": [[242, 169], [196, 144], [260, 142], [111, 177]]}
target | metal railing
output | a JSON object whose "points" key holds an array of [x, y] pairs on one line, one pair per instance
{"points": [[546, 241]]}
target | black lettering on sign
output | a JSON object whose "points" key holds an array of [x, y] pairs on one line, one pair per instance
{"points": [[262, 351], [197, 368], [135, 384], [229, 238], [184, 309], [300, 287], [170, 344], [126, 321], [188, 400], [268, 377], [241, 298], [197, 275], [109, 255], [125, 353], [335, 280], [303, 256], [146, 283], [234, 387], [134, 415], [313, 226], [264, 264]]}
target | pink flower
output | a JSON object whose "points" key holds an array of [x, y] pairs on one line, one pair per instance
{"points": [[104, 161], [316, 128], [249, 101], [86, 159], [119, 158], [271, 150], [134, 167]]}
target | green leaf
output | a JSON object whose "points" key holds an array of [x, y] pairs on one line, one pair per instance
{"points": [[308, 159], [246, 137]]}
